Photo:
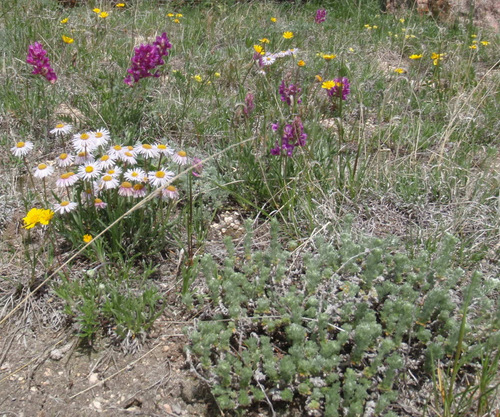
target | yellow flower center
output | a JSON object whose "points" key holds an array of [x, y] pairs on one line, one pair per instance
{"points": [[160, 174], [98, 135], [126, 184], [42, 166], [107, 178], [182, 154], [84, 136], [66, 175], [63, 156], [111, 171], [161, 146], [138, 187], [134, 174], [117, 148], [89, 169], [171, 188], [59, 126], [104, 158], [147, 146], [64, 203], [97, 201], [129, 154], [20, 144]]}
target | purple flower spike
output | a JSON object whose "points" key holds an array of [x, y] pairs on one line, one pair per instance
{"points": [[249, 104], [147, 58], [320, 16], [289, 92], [293, 135], [197, 167], [37, 56], [340, 89]]}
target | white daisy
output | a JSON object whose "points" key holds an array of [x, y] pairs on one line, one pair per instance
{"points": [[85, 142], [108, 182], [64, 160], [102, 136], [160, 178], [98, 203], [115, 150], [126, 189], [136, 174], [113, 171], [139, 190], [22, 148], [89, 171], [84, 158], [267, 59], [164, 149], [67, 179], [65, 207], [61, 129], [106, 162], [180, 158], [147, 150], [280, 54], [127, 157], [170, 193], [43, 171]]}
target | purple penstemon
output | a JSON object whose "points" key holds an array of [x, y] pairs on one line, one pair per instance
{"points": [[293, 136], [147, 58], [320, 16], [37, 56], [288, 92]]}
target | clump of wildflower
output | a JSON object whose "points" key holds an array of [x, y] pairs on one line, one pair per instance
{"points": [[337, 88], [249, 104], [320, 16], [37, 56], [289, 92], [35, 216], [147, 58], [293, 136]]}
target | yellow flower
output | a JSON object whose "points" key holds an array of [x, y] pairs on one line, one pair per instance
{"points": [[96, 10], [197, 78], [274, 20], [170, 15], [402, 20], [351, 50], [301, 63], [328, 85], [120, 5], [176, 21], [264, 40], [485, 43], [64, 21], [318, 78], [217, 75], [473, 36], [328, 57], [400, 70], [415, 56], [179, 15], [35, 216], [87, 238], [103, 15], [375, 27], [288, 35], [67, 39], [259, 49], [368, 27], [474, 41], [472, 46]]}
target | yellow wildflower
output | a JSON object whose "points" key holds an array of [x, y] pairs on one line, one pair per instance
{"points": [[264, 40], [170, 15], [179, 15], [67, 39], [400, 70], [301, 63], [96, 10], [87, 238], [176, 21], [485, 43], [473, 36], [35, 216], [375, 27], [103, 15], [415, 56], [259, 49], [198, 78], [288, 35], [328, 57], [318, 78], [217, 75], [328, 85], [402, 20], [120, 5], [472, 46], [274, 20], [64, 21]]}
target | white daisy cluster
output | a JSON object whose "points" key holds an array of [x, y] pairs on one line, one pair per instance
{"points": [[269, 58], [95, 169]]}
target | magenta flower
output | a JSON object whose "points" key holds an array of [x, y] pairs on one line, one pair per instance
{"points": [[37, 56], [320, 16], [197, 167], [288, 92], [293, 135], [340, 89], [147, 58], [249, 104]]}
